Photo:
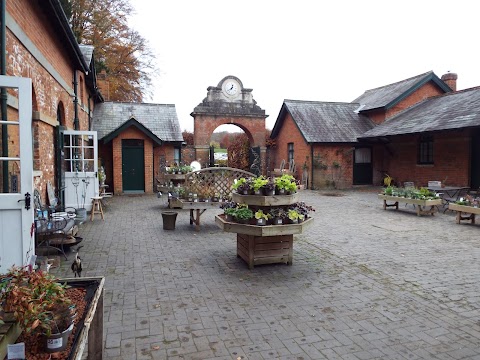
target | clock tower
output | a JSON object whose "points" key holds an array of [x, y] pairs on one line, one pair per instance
{"points": [[229, 103]]}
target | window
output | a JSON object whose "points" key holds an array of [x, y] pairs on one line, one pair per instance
{"points": [[290, 153], [177, 155], [425, 150], [363, 156]]}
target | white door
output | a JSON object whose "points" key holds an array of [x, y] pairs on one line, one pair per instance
{"points": [[16, 176], [81, 167]]}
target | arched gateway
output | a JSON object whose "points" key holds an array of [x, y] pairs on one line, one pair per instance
{"points": [[229, 103]]}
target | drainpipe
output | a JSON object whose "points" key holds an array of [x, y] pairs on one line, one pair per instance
{"points": [[75, 101], [89, 113], [3, 35], [311, 165]]}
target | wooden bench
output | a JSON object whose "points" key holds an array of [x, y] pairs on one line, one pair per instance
{"points": [[218, 179]]}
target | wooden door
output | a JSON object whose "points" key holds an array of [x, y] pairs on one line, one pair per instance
{"points": [[362, 166], [16, 169], [133, 165], [475, 161]]}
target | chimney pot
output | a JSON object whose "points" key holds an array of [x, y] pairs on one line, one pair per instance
{"points": [[451, 80]]}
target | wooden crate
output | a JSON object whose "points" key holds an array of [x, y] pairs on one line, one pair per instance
{"points": [[257, 250]]}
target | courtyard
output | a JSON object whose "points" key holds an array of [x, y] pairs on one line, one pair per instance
{"points": [[365, 283]]}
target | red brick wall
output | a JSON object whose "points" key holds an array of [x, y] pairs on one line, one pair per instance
{"points": [[451, 151], [132, 133], [332, 166], [48, 93], [204, 125], [426, 91], [301, 150]]}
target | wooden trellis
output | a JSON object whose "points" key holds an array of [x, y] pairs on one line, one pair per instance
{"points": [[217, 180]]}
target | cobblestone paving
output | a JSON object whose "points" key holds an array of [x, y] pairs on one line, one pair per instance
{"points": [[366, 283]]}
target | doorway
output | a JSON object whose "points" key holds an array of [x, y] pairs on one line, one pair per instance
{"points": [[133, 165], [475, 162], [362, 166]]}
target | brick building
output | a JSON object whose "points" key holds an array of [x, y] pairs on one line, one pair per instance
{"points": [[414, 130], [134, 141], [40, 45]]}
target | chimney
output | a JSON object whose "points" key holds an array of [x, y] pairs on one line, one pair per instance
{"points": [[103, 85], [451, 80]]}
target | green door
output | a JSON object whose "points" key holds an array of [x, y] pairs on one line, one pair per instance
{"points": [[133, 166]]}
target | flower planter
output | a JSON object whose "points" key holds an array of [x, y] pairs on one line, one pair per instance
{"points": [[89, 326], [466, 210], [421, 205]]}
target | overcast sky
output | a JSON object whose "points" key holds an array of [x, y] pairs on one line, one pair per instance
{"points": [[304, 50]]}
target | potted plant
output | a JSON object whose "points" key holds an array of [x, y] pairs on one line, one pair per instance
{"points": [[258, 185], [39, 304], [293, 216], [269, 188], [242, 214], [302, 209], [229, 209], [277, 214], [101, 175], [261, 217], [242, 186], [284, 183]]}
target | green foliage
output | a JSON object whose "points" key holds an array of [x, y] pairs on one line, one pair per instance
{"points": [[238, 183], [259, 214], [243, 213], [293, 214], [286, 182], [259, 183]]}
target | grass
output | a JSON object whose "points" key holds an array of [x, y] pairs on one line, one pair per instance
{"points": [[220, 150]]}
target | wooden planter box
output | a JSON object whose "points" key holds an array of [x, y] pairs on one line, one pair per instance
{"points": [[420, 205], [464, 209], [267, 244], [257, 250], [257, 230], [91, 328], [258, 200]]}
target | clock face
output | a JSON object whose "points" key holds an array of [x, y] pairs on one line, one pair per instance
{"points": [[231, 87]]}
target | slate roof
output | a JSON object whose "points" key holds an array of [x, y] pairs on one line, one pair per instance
{"points": [[87, 52], [451, 111], [324, 121], [389, 95], [160, 119]]}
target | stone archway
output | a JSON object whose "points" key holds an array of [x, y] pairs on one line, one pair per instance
{"points": [[228, 103]]}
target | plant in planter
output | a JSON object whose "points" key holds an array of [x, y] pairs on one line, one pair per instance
{"points": [[38, 302], [258, 185], [229, 208], [388, 190], [242, 213], [239, 185], [278, 215], [269, 188], [185, 169], [262, 217], [302, 209], [284, 183], [293, 216]]}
